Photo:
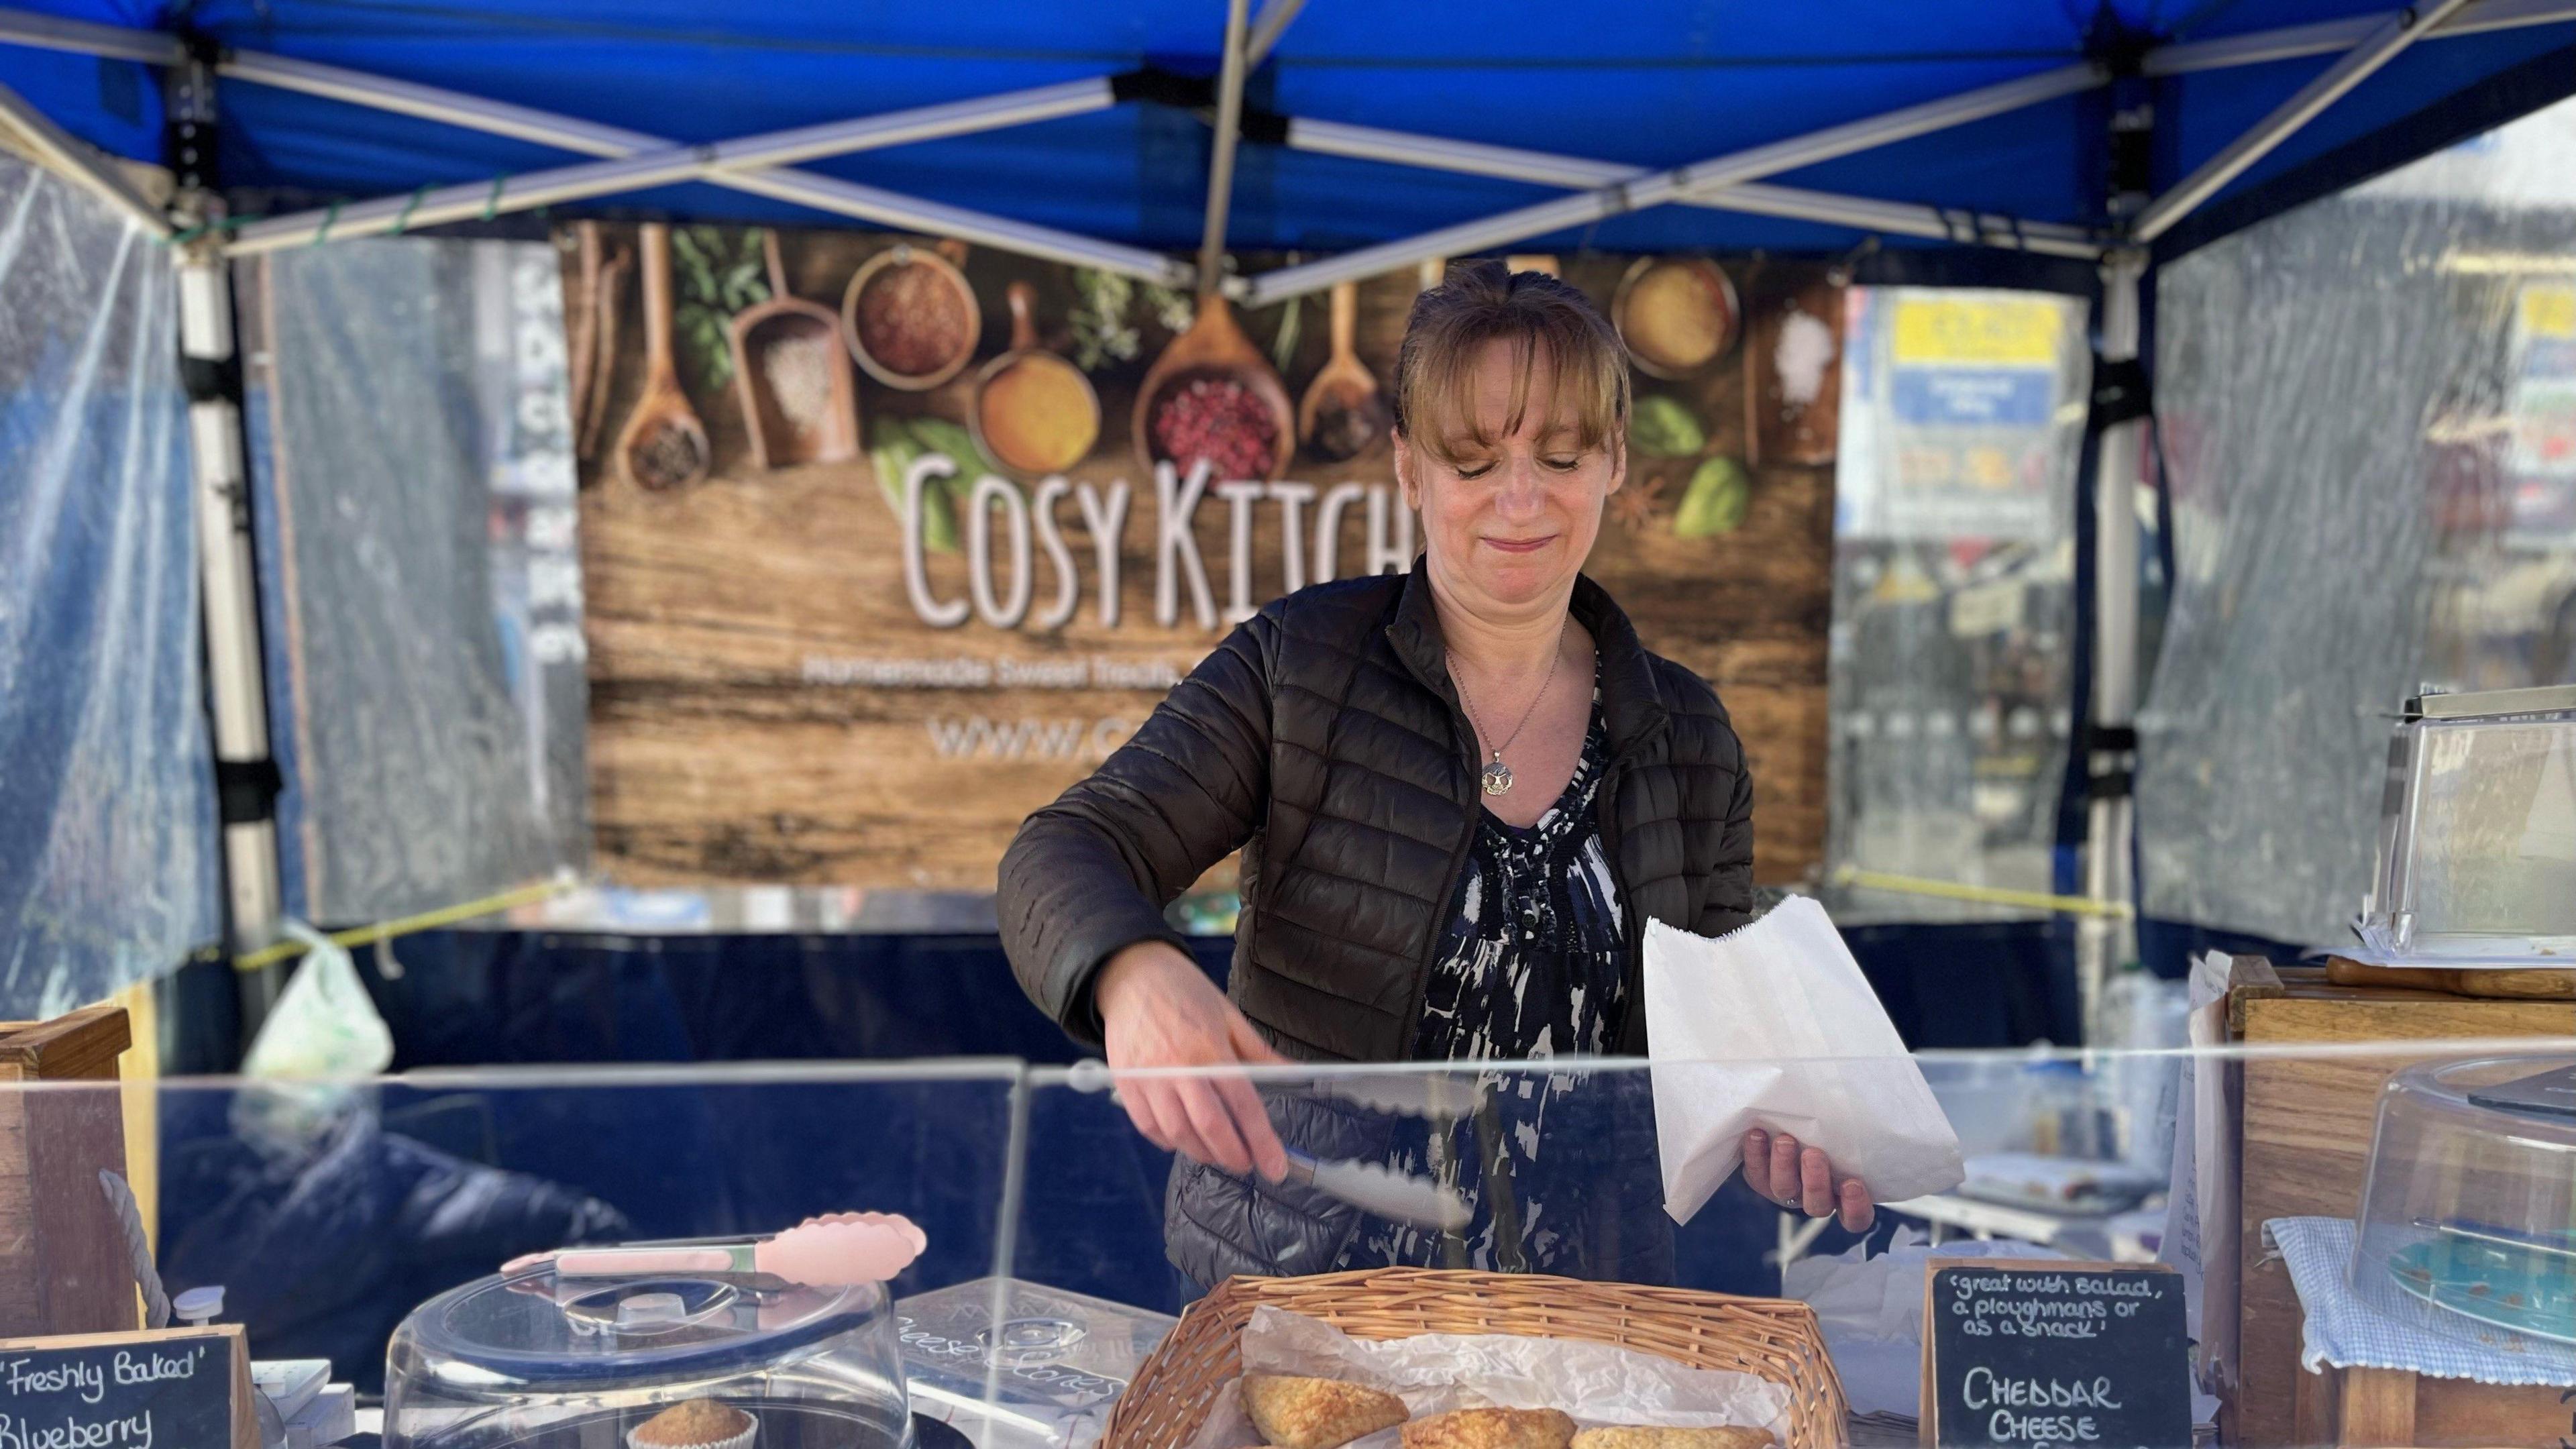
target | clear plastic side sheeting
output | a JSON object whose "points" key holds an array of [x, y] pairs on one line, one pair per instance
{"points": [[2368, 410], [107, 819], [426, 576], [1962, 421]]}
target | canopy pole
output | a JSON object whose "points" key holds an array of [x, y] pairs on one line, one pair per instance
{"points": [[803, 188], [92, 171], [1683, 183], [1267, 29], [431, 103], [84, 37], [228, 575], [2393, 35], [2327, 37], [1229, 130], [663, 164], [2099, 937], [589, 138], [1369, 143], [910, 213]]}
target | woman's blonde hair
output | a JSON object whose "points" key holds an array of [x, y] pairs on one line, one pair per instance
{"points": [[1484, 302]]}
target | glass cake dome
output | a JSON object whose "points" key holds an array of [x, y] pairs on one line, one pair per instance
{"points": [[2468, 1222], [546, 1362]]}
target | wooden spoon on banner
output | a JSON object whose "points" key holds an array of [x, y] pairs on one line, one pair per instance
{"points": [[663, 446]]}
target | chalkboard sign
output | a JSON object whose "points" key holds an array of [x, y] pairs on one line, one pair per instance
{"points": [[2046, 1353], [179, 1389]]}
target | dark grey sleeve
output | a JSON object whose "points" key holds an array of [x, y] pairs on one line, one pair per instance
{"points": [[1729, 903], [1089, 875]]}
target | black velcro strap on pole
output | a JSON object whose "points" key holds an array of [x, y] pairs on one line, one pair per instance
{"points": [[2112, 785], [2112, 739], [1262, 128], [1165, 87], [246, 790], [211, 379], [2120, 392]]}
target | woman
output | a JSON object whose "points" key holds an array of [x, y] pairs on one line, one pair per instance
{"points": [[1460, 793]]}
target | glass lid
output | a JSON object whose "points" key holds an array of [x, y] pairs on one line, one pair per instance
{"points": [[532, 1329]]}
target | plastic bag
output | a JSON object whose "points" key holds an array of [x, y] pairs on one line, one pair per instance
{"points": [[324, 1025], [323, 1030], [1871, 1312], [1774, 1026]]}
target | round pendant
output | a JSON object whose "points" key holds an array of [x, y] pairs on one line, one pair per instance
{"points": [[1498, 778]]}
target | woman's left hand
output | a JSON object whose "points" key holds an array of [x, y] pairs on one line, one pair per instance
{"points": [[1802, 1180]]}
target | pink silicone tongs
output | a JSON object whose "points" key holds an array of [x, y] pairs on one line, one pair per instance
{"points": [[831, 1251]]}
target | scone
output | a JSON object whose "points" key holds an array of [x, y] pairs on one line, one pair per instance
{"points": [[697, 1424], [1295, 1413], [1491, 1429], [1727, 1438]]}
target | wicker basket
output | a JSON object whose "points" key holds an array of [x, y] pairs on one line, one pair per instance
{"points": [[1775, 1340]]}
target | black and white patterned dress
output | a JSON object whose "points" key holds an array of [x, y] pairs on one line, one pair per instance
{"points": [[1529, 969]]}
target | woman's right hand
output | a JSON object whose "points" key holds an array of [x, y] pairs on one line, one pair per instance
{"points": [[1158, 1009]]}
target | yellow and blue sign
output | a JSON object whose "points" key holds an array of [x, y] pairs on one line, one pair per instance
{"points": [[1974, 362]]}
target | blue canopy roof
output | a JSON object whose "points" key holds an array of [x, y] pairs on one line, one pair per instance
{"points": [[1650, 82]]}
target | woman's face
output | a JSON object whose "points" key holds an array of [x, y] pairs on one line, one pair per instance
{"points": [[1508, 524]]}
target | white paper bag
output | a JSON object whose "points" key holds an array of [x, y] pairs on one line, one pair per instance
{"points": [[1773, 1026]]}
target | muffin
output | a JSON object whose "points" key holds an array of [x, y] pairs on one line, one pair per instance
{"points": [[696, 1424]]}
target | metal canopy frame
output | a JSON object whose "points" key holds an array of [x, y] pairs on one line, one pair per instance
{"points": [[74, 160], [2376, 49], [668, 163], [1370, 143], [765, 165]]}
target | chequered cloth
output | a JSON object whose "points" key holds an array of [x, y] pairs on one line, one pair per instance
{"points": [[2347, 1332]]}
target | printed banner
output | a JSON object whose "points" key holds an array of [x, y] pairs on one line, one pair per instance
{"points": [[886, 541]]}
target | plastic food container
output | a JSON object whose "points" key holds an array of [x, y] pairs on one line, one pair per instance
{"points": [[528, 1359], [2468, 1223], [2477, 832], [1056, 1364]]}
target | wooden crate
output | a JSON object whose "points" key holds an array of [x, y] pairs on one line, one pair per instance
{"points": [[2392, 1409], [64, 1267], [2306, 1148]]}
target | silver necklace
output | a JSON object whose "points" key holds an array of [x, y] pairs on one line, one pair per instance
{"points": [[1498, 776]]}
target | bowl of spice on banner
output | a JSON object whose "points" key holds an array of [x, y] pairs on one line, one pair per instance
{"points": [[1213, 398], [1035, 412], [1677, 315], [1216, 417], [909, 316]]}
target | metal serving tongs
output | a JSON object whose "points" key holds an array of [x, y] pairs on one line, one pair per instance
{"points": [[1371, 1187], [1443, 1099], [1439, 1097]]}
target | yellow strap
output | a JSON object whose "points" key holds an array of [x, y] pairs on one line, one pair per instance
{"points": [[425, 921], [1988, 895]]}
